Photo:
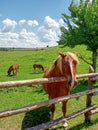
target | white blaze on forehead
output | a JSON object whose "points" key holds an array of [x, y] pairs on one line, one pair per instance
{"points": [[72, 73]]}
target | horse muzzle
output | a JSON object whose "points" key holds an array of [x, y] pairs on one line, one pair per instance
{"points": [[72, 84]]}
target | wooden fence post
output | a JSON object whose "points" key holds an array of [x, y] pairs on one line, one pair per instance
{"points": [[89, 96]]}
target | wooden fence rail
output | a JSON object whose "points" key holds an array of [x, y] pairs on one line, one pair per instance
{"points": [[90, 109], [44, 103], [41, 80], [51, 123]]}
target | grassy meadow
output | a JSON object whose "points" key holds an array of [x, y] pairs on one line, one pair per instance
{"points": [[25, 95]]}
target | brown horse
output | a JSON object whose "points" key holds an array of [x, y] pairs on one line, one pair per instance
{"points": [[64, 65], [13, 68], [39, 66]]}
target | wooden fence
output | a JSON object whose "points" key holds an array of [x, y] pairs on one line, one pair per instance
{"points": [[88, 111]]}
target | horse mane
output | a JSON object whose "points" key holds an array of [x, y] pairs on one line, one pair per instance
{"points": [[74, 56], [58, 61]]}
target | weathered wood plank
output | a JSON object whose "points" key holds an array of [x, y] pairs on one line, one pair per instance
{"points": [[86, 75], [95, 78], [41, 81], [30, 82], [93, 111], [44, 103], [89, 96], [47, 125]]}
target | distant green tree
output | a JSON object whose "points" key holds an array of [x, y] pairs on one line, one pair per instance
{"points": [[82, 27]]}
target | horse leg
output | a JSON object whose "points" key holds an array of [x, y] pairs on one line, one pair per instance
{"points": [[16, 72], [65, 125], [64, 107], [34, 69], [13, 72], [52, 111]]}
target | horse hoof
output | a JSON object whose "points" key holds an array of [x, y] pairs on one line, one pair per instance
{"points": [[65, 125]]}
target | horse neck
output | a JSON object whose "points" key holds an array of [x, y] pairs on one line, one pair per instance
{"points": [[42, 68], [9, 72]]}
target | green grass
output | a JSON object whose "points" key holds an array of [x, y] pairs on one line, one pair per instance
{"points": [[21, 96]]}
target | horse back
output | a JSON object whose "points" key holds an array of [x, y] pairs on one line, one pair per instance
{"points": [[14, 67], [38, 66], [17, 66], [10, 68]]}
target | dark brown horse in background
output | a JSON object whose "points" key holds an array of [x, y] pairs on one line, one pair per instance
{"points": [[39, 66], [64, 65], [13, 68]]}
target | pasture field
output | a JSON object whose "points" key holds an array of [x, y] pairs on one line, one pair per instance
{"points": [[25, 95]]}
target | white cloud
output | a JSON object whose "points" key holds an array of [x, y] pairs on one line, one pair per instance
{"points": [[32, 23], [25, 37], [23, 21], [23, 40], [8, 39], [50, 30], [9, 25], [29, 38], [50, 23], [61, 22], [47, 35]]}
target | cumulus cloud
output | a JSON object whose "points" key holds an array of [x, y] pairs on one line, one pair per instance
{"points": [[50, 23], [23, 21], [61, 22], [32, 23], [9, 25], [50, 30], [22, 40], [46, 34], [8, 39], [26, 35], [29, 38]]}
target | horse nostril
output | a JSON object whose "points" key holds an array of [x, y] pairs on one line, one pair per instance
{"points": [[69, 82]]}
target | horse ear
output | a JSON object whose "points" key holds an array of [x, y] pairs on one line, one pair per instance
{"points": [[76, 53], [61, 54]]}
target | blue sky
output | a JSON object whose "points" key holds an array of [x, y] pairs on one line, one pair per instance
{"points": [[31, 23]]}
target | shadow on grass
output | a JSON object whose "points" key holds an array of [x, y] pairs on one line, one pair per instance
{"points": [[42, 115], [38, 72], [81, 86], [36, 117], [84, 125]]}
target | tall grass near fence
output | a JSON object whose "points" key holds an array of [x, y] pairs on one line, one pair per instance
{"points": [[17, 97]]}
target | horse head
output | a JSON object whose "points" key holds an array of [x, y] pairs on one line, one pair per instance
{"points": [[64, 65], [9, 72], [67, 63]]}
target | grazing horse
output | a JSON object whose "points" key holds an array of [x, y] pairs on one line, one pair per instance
{"points": [[13, 68], [64, 65], [39, 66]]}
